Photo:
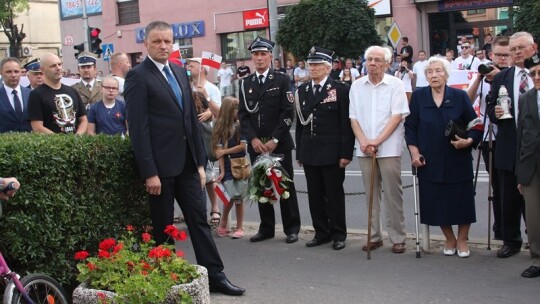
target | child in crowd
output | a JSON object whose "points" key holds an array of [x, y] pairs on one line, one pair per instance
{"points": [[228, 144]]}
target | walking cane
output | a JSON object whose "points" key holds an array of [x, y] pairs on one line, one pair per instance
{"points": [[416, 214], [370, 205]]}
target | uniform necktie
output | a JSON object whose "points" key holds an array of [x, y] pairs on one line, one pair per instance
{"points": [[317, 90], [17, 103], [524, 83], [174, 85], [261, 80], [89, 87]]}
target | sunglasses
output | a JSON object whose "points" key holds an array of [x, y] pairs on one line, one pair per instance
{"points": [[464, 47]]}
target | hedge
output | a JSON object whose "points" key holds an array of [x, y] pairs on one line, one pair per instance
{"points": [[76, 191]]}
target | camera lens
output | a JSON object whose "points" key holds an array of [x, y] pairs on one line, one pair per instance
{"points": [[484, 69]]}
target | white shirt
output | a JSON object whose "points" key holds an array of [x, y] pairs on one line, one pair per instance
{"points": [[121, 82], [300, 73], [461, 63], [373, 105], [406, 78], [480, 106], [265, 74], [213, 92], [225, 77], [9, 92], [419, 69], [354, 74], [517, 81]]}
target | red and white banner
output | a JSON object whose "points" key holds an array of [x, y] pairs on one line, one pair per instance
{"points": [[176, 55], [222, 194], [256, 18], [211, 60]]}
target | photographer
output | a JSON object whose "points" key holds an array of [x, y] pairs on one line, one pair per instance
{"points": [[406, 76], [8, 187], [479, 88]]}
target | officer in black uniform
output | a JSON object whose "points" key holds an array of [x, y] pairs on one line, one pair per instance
{"points": [[266, 114], [325, 143]]}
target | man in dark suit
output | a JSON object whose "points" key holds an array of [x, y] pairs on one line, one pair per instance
{"points": [[528, 163], [325, 143], [516, 82], [168, 147], [13, 98], [266, 115]]}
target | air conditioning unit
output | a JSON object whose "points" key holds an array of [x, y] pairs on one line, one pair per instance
{"points": [[27, 51]]}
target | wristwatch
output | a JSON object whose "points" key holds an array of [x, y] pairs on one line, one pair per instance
{"points": [[275, 140]]}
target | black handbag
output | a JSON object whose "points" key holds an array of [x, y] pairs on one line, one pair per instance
{"points": [[454, 128]]}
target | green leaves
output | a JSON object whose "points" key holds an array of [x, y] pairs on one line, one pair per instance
{"points": [[526, 17], [345, 26]]}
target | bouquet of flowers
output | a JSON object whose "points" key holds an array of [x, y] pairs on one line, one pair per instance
{"points": [[135, 269], [268, 181]]}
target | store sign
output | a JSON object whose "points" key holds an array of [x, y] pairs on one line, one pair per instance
{"points": [[381, 7], [180, 31], [457, 5], [256, 19], [73, 8]]}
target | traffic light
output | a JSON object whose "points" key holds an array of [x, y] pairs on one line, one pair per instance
{"points": [[79, 48], [95, 42]]}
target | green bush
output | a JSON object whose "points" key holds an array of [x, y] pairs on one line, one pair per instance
{"points": [[76, 191]]}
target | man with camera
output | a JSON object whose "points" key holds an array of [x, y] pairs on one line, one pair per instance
{"points": [[478, 90], [406, 76]]}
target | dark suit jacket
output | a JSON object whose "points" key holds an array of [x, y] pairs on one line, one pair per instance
{"points": [[425, 126], [528, 138], [505, 153], [8, 119], [332, 137], [159, 130], [275, 114]]}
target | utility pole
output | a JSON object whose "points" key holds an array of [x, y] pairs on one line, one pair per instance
{"points": [[273, 18], [85, 27]]}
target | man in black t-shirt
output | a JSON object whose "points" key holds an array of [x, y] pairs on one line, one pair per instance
{"points": [[54, 107], [334, 73], [243, 70], [406, 51]]}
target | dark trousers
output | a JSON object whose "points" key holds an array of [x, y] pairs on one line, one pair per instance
{"points": [[513, 206], [327, 201], [496, 195], [186, 188], [290, 214]]}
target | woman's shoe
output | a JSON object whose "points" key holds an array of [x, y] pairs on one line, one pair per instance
{"points": [[221, 231], [464, 254], [449, 252], [238, 234]]}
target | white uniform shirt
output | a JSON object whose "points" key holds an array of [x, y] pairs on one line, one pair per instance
{"points": [[373, 105]]}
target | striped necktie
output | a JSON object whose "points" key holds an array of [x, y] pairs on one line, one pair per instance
{"points": [[524, 83]]}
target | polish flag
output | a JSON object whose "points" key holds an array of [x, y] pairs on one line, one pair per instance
{"points": [[222, 194], [211, 60], [176, 56]]}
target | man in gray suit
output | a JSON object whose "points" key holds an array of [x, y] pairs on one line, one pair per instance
{"points": [[13, 98], [528, 162]]}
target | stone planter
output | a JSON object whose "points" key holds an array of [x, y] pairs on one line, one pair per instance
{"points": [[198, 290]]}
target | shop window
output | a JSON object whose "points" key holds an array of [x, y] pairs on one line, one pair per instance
{"points": [[479, 11], [234, 46], [128, 11], [186, 47]]}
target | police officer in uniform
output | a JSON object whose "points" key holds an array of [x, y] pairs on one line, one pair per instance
{"points": [[89, 88], [34, 73], [325, 143], [266, 114]]}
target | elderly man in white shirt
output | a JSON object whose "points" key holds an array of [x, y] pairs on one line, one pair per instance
{"points": [[378, 106]]}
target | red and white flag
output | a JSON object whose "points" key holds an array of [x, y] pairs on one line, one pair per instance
{"points": [[222, 194], [211, 60], [176, 56]]}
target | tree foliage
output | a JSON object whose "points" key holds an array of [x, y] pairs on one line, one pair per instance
{"points": [[345, 26], [9, 10], [526, 17]]}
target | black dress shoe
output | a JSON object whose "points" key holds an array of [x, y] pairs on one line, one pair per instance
{"points": [[291, 238], [260, 237], [317, 242], [531, 272], [226, 287], [338, 245], [507, 251]]}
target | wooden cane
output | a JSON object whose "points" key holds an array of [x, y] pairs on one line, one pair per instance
{"points": [[370, 205]]}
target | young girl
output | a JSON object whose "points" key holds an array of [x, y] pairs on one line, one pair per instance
{"points": [[228, 144]]}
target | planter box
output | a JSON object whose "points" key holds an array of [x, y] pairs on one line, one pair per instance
{"points": [[198, 290]]}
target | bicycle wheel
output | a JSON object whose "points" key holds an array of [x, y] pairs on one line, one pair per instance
{"points": [[42, 289]]}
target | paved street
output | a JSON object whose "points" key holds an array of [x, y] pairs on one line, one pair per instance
{"points": [[275, 272]]}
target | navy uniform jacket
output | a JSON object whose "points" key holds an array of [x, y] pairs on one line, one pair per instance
{"points": [[528, 138], [8, 119], [505, 153], [332, 137], [425, 126], [273, 119]]}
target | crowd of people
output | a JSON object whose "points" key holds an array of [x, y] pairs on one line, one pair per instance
{"points": [[177, 121]]}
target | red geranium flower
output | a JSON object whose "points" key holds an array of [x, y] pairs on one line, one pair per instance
{"points": [[118, 247], [81, 255], [104, 254], [146, 237], [159, 252], [130, 228], [107, 244], [179, 253], [91, 266]]}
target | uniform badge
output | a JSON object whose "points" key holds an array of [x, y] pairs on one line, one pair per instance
{"points": [[270, 76], [332, 96], [290, 96], [328, 86], [250, 91], [307, 88], [253, 78], [312, 51], [288, 121]]}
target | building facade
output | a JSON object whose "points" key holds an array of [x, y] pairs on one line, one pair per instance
{"points": [[227, 27]]}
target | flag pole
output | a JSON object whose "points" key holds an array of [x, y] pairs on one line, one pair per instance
{"points": [[199, 77]]}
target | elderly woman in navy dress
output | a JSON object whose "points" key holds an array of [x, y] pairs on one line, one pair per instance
{"points": [[445, 168]]}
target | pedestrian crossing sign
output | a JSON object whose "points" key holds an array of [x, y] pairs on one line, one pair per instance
{"points": [[108, 50]]}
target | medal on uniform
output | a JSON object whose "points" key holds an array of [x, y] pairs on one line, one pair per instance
{"points": [[328, 87], [270, 76], [250, 91], [290, 96]]}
